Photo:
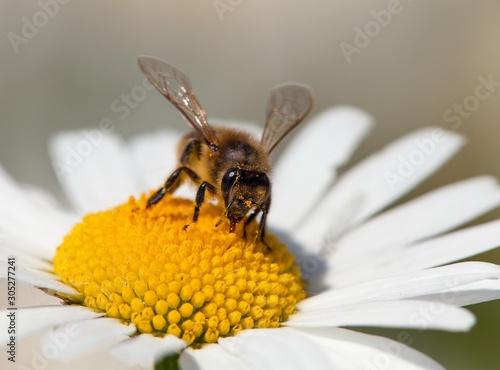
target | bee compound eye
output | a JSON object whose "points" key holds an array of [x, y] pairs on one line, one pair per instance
{"points": [[228, 180]]}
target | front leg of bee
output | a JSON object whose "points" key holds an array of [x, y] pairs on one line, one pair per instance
{"points": [[200, 197], [172, 184], [249, 220], [262, 228]]}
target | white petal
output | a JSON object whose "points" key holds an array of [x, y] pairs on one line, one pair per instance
{"points": [[308, 164], [421, 315], [26, 244], [409, 285], [35, 319], [82, 337], [50, 206], [438, 251], [156, 156], [30, 216], [276, 349], [212, 357], [365, 351], [39, 279], [144, 350], [438, 211], [477, 292], [24, 258], [366, 188], [96, 173]]}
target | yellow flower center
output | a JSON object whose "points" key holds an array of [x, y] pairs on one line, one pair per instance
{"points": [[142, 266]]}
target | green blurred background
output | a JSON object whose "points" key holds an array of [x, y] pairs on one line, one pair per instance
{"points": [[413, 69]]}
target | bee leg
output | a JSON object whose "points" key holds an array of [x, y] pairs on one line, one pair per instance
{"points": [[156, 197], [232, 226], [172, 184], [224, 214], [221, 219], [193, 147], [200, 197], [262, 228], [247, 222]]}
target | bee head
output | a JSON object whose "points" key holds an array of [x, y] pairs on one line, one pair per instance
{"points": [[242, 191]]}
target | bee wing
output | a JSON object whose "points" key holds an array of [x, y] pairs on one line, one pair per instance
{"points": [[176, 87], [287, 105]]}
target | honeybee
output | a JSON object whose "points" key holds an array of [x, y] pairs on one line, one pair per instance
{"points": [[229, 164]]}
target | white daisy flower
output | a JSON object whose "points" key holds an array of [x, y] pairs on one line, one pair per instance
{"points": [[135, 283]]}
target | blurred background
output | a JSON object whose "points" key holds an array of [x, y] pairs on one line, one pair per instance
{"points": [[67, 65]]}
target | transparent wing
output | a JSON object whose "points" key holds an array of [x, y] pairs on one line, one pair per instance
{"points": [[176, 87], [287, 105]]}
